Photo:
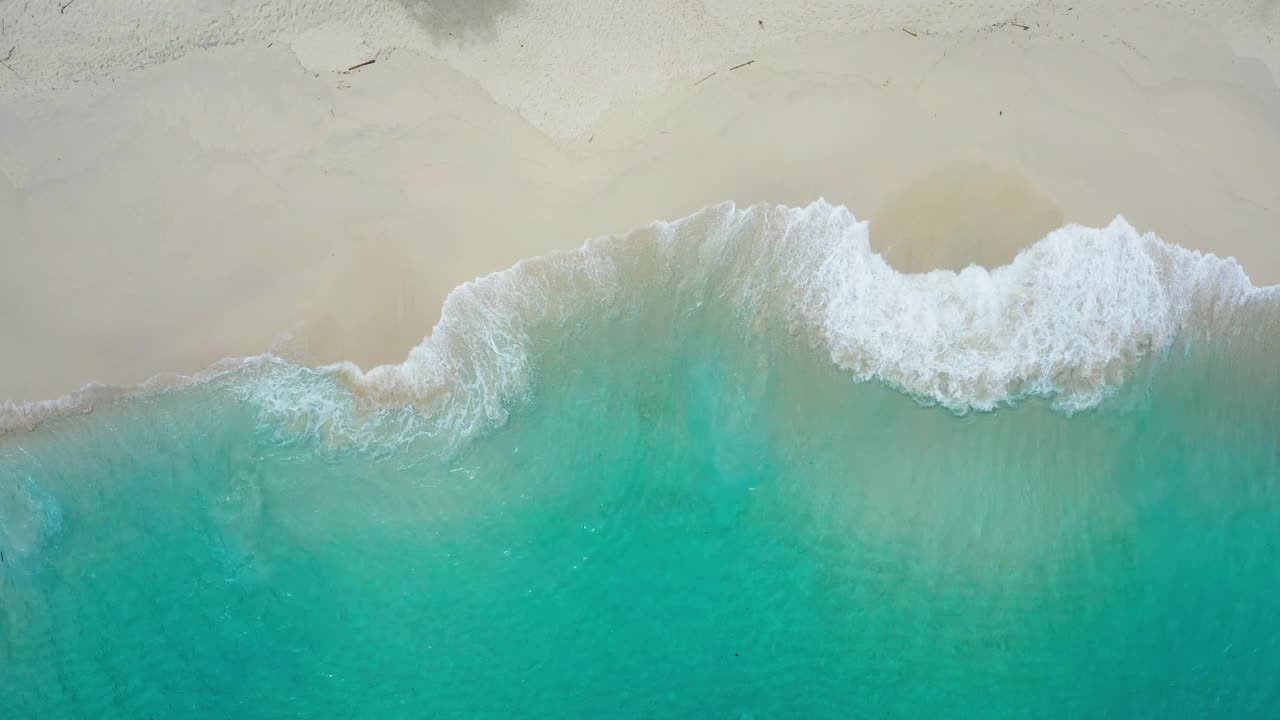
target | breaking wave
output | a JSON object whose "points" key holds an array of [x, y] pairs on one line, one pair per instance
{"points": [[1069, 319]]}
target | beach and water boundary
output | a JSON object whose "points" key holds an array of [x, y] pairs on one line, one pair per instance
{"points": [[324, 215], [1005, 450], [641, 482]]}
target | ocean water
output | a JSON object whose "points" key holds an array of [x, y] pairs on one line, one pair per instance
{"points": [[734, 466]]}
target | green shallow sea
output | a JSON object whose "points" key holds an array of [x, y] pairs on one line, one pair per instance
{"points": [[679, 518]]}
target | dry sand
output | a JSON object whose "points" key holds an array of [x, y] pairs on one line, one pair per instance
{"points": [[178, 187]]}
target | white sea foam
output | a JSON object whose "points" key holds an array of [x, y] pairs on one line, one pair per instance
{"points": [[1069, 319]]}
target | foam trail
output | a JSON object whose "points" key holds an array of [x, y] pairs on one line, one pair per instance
{"points": [[1069, 319]]}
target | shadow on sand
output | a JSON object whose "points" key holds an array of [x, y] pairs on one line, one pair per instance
{"points": [[460, 20]]}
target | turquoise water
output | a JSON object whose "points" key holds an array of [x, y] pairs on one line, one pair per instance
{"points": [[678, 514]]}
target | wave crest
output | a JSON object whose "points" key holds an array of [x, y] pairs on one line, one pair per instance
{"points": [[1069, 319]]}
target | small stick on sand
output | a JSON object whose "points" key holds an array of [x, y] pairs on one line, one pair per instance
{"points": [[62, 7], [1024, 27], [703, 80], [5, 61], [735, 67], [910, 33], [360, 65]]}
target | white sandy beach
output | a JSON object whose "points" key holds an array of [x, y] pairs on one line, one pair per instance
{"points": [[180, 186]]}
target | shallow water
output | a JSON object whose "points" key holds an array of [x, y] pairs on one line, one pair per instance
{"points": [[679, 514]]}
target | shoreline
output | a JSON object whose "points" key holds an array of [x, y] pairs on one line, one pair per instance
{"points": [[1153, 295], [324, 216]]}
